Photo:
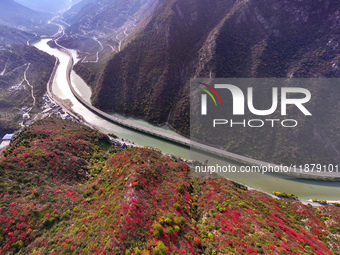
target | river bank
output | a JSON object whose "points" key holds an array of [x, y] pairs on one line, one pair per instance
{"points": [[304, 189]]}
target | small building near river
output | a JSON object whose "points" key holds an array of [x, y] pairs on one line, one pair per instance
{"points": [[8, 137]]}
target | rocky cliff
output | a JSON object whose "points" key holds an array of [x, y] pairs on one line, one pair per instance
{"points": [[150, 76]]}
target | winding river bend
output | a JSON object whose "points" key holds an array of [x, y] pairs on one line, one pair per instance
{"points": [[304, 189]]}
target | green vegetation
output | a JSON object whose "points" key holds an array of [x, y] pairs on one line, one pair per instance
{"points": [[184, 39], [65, 190], [14, 90], [283, 194]]}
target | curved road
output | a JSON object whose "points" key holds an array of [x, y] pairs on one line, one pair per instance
{"points": [[192, 144], [28, 83]]}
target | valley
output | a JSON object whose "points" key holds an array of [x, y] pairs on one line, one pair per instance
{"points": [[90, 65], [108, 156], [149, 77], [307, 189], [93, 56]]}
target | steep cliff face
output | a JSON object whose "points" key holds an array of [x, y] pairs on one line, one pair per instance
{"points": [[147, 78], [220, 39], [268, 38], [271, 38], [281, 39]]}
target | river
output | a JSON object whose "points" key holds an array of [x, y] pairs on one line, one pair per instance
{"points": [[304, 189]]}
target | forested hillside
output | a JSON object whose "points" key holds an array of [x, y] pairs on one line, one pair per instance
{"points": [[66, 190], [150, 77]]}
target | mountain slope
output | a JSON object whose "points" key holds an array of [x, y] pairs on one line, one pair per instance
{"points": [[15, 93], [99, 28], [269, 38], [76, 8], [90, 14], [152, 69], [9, 36], [14, 14], [65, 190], [47, 5]]}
